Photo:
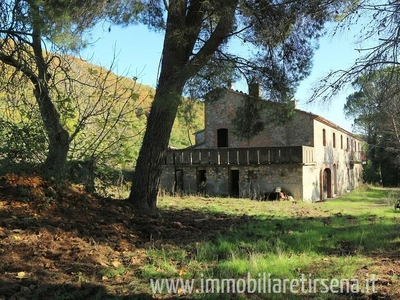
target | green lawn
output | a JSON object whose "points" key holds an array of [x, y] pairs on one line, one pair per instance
{"points": [[73, 245], [353, 237]]}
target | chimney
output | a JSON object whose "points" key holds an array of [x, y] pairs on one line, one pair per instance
{"points": [[254, 89], [230, 85]]}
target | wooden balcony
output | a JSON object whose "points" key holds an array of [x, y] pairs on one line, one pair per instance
{"points": [[356, 157], [241, 156]]}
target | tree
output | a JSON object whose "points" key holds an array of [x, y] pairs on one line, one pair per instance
{"points": [[100, 116], [196, 53], [377, 43], [97, 108], [24, 28], [376, 108]]}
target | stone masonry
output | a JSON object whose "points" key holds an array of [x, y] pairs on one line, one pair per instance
{"points": [[308, 157]]}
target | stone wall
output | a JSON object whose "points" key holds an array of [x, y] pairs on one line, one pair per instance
{"points": [[331, 153], [310, 183], [220, 113], [340, 152], [254, 181]]}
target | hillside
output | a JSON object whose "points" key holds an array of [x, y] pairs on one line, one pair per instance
{"points": [[190, 117], [104, 113]]}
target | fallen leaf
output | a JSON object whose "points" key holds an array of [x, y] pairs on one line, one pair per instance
{"points": [[181, 291], [116, 263], [21, 275]]}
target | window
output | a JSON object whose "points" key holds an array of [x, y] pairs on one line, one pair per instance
{"points": [[334, 140], [341, 141], [222, 137], [347, 144], [324, 137]]}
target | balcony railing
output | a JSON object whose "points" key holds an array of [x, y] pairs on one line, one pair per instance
{"points": [[357, 157], [241, 156]]}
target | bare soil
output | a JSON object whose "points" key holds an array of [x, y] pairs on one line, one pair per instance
{"points": [[55, 243]]}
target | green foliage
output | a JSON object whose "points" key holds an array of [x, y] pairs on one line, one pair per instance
{"points": [[255, 114], [113, 272], [105, 116], [376, 108], [190, 119], [21, 142], [24, 142], [280, 113], [196, 53], [376, 38], [371, 172], [247, 122], [277, 39], [62, 22]]}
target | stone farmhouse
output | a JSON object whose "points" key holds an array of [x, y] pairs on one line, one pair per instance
{"points": [[308, 157]]}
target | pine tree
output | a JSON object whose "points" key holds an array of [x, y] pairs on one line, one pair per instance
{"points": [[196, 54]]}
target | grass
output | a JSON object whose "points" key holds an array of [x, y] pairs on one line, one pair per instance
{"points": [[333, 239], [81, 247]]}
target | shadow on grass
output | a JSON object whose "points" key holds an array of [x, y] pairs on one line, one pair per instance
{"points": [[82, 247], [31, 290], [376, 195]]}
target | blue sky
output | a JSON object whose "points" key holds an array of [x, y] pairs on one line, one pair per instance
{"points": [[137, 53]]}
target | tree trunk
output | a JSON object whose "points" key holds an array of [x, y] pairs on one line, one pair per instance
{"points": [[56, 159], [177, 66], [146, 178], [54, 166]]}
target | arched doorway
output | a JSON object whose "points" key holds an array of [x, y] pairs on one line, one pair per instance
{"points": [[326, 186]]}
